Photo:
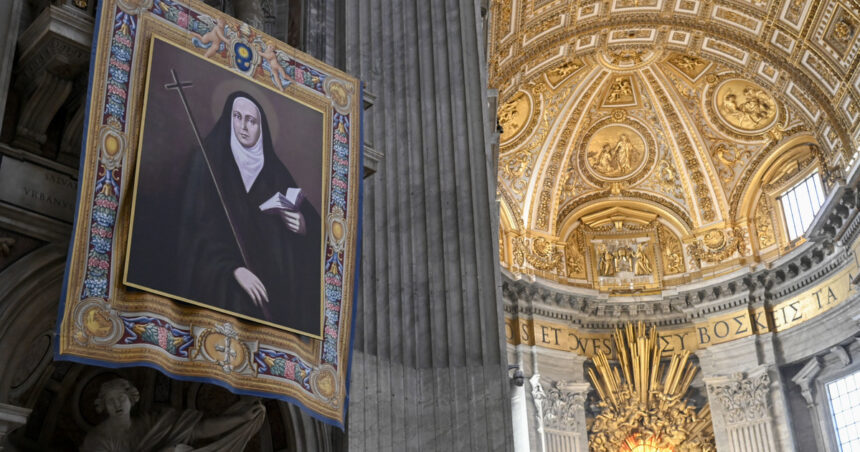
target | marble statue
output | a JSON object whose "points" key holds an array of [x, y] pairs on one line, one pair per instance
{"points": [[169, 430]]}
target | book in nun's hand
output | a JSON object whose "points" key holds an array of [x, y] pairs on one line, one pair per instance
{"points": [[289, 200]]}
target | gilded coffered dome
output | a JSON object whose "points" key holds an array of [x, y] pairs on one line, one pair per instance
{"points": [[645, 144]]}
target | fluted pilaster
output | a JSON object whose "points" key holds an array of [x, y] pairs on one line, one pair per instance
{"points": [[429, 370]]}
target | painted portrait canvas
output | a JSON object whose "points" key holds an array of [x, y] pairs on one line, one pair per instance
{"points": [[227, 194]]}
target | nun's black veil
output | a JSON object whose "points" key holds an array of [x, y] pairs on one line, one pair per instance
{"points": [[288, 264]]}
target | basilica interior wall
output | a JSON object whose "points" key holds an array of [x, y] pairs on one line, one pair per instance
{"points": [[429, 364]]}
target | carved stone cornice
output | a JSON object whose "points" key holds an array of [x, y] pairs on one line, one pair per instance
{"points": [[838, 220], [53, 50], [805, 378], [803, 268], [58, 41], [743, 398]]}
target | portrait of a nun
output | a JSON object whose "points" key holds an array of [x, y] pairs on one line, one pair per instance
{"points": [[232, 254]]}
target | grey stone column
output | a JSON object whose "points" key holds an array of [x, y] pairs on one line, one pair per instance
{"points": [[250, 12], [10, 16], [429, 370], [520, 418], [747, 398]]}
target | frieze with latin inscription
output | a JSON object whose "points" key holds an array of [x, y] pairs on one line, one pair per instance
{"points": [[37, 188]]}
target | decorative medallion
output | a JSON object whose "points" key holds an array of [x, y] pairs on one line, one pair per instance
{"points": [[324, 383], [744, 106], [112, 147], [616, 152], [513, 115], [96, 323], [339, 93], [222, 346], [715, 239]]}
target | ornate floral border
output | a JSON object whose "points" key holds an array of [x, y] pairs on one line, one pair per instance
{"points": [[98, 323]]}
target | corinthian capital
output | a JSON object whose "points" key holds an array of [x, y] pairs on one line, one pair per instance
{"points": [[564, 405], [743, 397]]}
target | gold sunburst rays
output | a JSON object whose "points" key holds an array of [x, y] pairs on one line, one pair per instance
{"points": [[643, 398]]}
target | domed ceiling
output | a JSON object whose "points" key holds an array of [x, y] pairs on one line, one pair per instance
{"points": [[645, 143]]}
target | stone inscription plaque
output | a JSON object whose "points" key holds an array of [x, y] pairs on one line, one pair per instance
{"points": [[37, 188]]}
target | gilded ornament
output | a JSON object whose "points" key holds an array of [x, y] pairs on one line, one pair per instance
{"points": [[729, 159], [574, 254], [513, 115], [620, 92], [644, 402], [795, 8], [745, 106], [561, 72], [736, 243], [688, 65], [668, 176], [673, 253], [515, 166], [700, 189], [97, 322], [627, 57], [615, 152], [544, 255], [764, 224], [715, 239], [842, 30], [607, 262], [221, 345], [519, 250], [643, 264], [636, 3]]}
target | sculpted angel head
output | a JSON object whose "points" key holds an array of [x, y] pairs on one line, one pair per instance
{"points": [[116, 397]]}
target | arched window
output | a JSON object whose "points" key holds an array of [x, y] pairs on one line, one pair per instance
{"points": [[800, 203], [844, 397]]}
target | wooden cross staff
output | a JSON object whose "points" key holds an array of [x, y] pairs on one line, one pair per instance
{"points": [[180, 88]]}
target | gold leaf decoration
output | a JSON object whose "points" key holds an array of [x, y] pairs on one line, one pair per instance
{"points": [[763, 224], [642, 399]]}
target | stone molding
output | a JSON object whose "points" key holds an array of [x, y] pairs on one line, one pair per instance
{"points": [[805, 378], [805, 269]]}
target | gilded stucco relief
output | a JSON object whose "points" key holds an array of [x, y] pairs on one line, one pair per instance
{"points": [[674, 121]]}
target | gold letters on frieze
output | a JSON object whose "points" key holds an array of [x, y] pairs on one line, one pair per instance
{"points": [[645, 403]]}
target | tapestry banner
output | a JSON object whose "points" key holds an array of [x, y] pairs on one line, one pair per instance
{"points": [[217, 229]]}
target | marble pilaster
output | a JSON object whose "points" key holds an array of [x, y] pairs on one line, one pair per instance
{"points": [[10, 13], [429, 370], [747, 398]]}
